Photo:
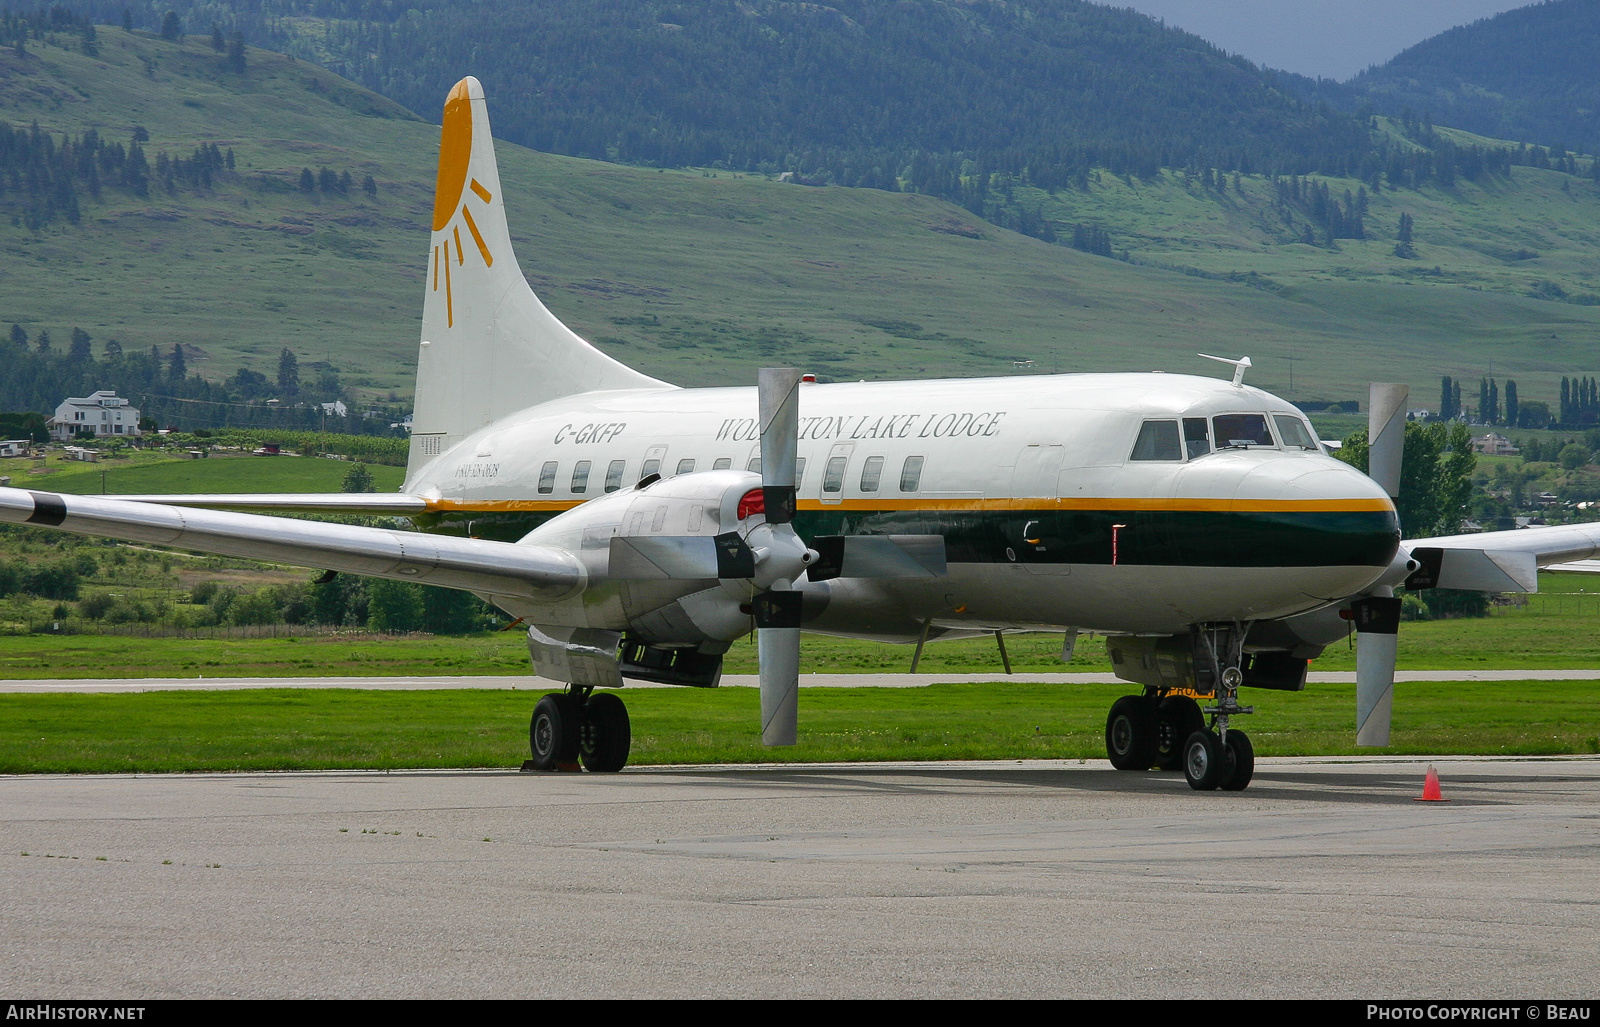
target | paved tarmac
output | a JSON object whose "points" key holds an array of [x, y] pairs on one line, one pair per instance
{"points": [[532, 682], [995, 879]]}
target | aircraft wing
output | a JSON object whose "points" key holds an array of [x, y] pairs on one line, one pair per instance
{"points": [[538, 573], [390, 503], [1500, 561]]}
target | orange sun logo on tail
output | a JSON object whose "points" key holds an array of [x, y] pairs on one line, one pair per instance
{"points": [[451, 206]]}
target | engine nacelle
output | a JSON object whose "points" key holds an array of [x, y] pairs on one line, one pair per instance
{"points": [[662, 590]]}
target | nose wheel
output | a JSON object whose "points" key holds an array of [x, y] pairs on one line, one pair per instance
{"points": [[579, 728]]}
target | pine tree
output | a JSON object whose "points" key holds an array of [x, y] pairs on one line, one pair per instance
{"points": [[113, 351], [288, 373], [42, 341], [217, 42], [308, 182], [1513, 411], [1494, 402], [171, 28], [177, 369], [79, 352], [1483, 401], [127, 20], [236, 59], [369, 185], [19, 337], [1566, 401]]}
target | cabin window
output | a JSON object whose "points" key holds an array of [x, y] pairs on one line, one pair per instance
{"points": [[686, 465], [651, 466], [799, 470], [833, 476], [911, 474], [1240, 431], [754, 464], [547, 478], [1196, 441], [614, 474], [722, 463], [1158, 440], [1294, 432], [580, 476], [871, 473]]}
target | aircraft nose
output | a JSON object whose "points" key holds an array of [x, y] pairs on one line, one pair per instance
{"points": [[1315, 481]]}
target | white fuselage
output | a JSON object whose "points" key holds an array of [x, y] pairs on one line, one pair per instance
{"points": [[1049, 517]]}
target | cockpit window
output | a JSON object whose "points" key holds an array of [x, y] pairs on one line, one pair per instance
{"points": [[1158, 440], [1196, 441], [1294, 432], [1238, 431]]}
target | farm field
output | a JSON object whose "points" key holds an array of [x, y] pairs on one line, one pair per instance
{"points": [[1555, 630], [285, 729], [157, 472], [699, 275]]}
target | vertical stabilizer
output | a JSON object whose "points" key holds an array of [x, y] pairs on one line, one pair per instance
{"points": [[489, 347]]}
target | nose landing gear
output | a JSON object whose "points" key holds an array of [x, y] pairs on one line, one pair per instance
{"points": [[579, 727], [1168, 729]]}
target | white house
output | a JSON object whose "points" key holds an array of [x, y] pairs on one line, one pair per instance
{"points": [[101, 415]]}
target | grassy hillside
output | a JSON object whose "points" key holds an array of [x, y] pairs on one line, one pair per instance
{"points": [[702, 276]]}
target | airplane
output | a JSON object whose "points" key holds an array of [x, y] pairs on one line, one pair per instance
{"points": [[639, 528]]}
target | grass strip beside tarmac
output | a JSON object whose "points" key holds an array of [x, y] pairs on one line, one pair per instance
{"points": [[1562, 638], [338, 729]]}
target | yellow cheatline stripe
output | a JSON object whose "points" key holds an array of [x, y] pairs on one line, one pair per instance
{"points": [[483, 194], [436, 269], [472, 226], [461, 255], [975, 504], [449, 300]]}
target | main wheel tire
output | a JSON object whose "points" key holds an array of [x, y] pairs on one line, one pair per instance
{"points": [[1131, 733], [553, 732], [1244, 761], [1177, 718], [1205, 761], [606, 735]]}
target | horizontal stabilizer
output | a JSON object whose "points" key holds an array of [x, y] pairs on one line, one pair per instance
{"points": [[399, 505], [537, 573], [878, 556]]}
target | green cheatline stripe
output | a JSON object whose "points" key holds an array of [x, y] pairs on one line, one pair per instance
{"points": [[1161, 538], [1175, 538]]}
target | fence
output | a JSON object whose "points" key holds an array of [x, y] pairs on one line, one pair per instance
{"points": [[228, 631], [1547, 604]]}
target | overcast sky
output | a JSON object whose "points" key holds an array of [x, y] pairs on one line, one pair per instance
{"points": [[1330, 38]]}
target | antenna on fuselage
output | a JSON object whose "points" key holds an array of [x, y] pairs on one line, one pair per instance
{"points": [[1238, 365]]}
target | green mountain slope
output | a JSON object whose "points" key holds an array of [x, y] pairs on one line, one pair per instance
{"points": [[701, 279], [1527, 74]]}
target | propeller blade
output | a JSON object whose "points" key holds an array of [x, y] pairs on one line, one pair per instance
{"points": [[777, 613], [681, 557], [877, 556], [1386, 435], [778, 395], [1377, 636]]}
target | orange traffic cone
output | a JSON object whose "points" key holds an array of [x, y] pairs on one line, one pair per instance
{"points": [[1430, 788]]}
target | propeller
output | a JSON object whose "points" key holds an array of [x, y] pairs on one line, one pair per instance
{"points": [[780, 557], [1377, 615], [772, 556]]}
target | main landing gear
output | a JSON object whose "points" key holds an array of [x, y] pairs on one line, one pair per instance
{"points": [[1169, 731], [577, 726]]}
